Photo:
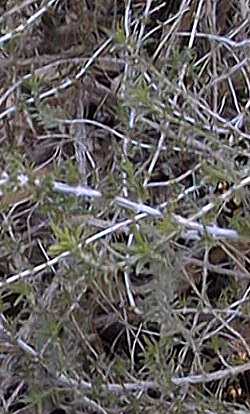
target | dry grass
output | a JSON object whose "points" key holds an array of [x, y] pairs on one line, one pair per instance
{"points": [[124, 206]]}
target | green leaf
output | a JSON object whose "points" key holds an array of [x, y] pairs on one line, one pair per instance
{"points": [[68, 239], [120, 36], [167, 225]]}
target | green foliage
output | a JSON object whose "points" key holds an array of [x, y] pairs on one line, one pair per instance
{"points": [[37, 399], [167, 226], [217, 343], [48, 116], [120, 36], [68, 239], [134, 180], [217, 173], [25, 291], [141, 252], [141, 94], [180, 57], [158, 360], [135, 303], [49, 331], [33, 85], [242, 225], [228, 294]]}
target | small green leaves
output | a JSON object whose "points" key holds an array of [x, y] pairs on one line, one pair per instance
{"points": [[134, 181], [141, 93], [242, 225], [120, 36], [166, 226], [67, 239], [215, 174], [33, 85], [48, 115], [142, 247], [217, 343]]}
